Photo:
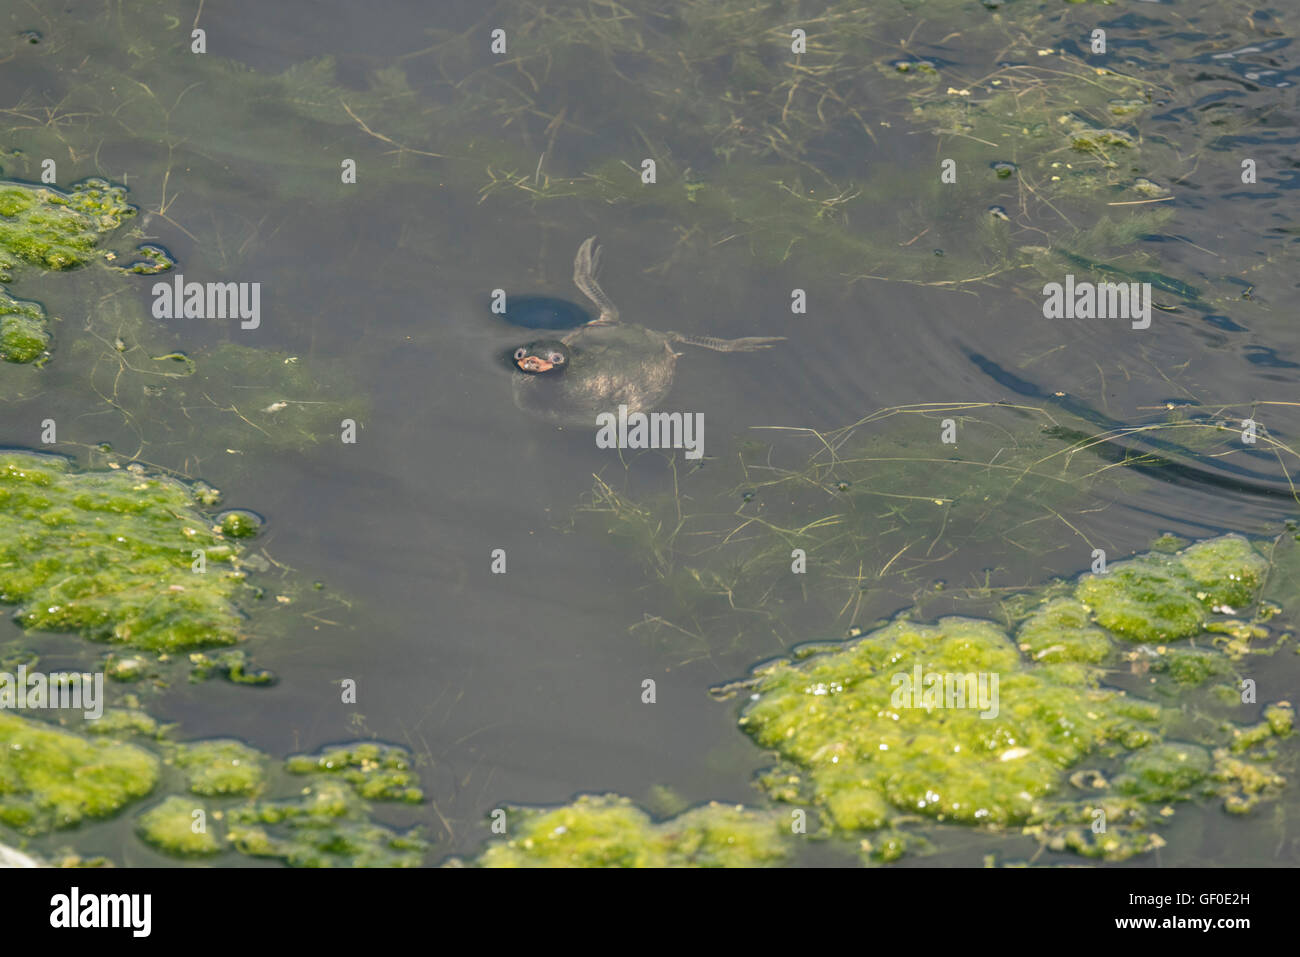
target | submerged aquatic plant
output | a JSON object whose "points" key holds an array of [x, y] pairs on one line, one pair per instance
{"points": [[753, 139], [228, 397], [229, 394], [879, 508], [780, 147]]}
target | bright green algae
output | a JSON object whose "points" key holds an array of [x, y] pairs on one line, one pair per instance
{"points": [[23, 334], [873, 765], [45, 227], [50, 229], [1062, 630], [239, 524], [327, 826], [327, 823], [170, 826], [124, 721], [867, 758], [861, 755], [53, 778], [1158, 597], [377, 772], [231, 665], [109, 555], [611, 831], [221, 768], [1164, 772], [50, 778]]}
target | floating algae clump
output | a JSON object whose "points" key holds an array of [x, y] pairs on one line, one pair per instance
{"points": [[156, 260], [1228, 570], [221, 768], [23, 337], [1187, 666], [124, 721], [171, 827], [328, 826], [108, 555], [240, 524], [1062, 630], [377, 772], [50, 778], [1098, 141], [231, 665], [1164, 772], [42, 226], [611, 831], [1157, 597], [1278, 722], [955, 722], [1146, 599], [1280, 719], [1244, 783], [327, 823], [863, 742]]}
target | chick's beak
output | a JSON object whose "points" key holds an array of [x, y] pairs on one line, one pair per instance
{"points": [[534, 364]]}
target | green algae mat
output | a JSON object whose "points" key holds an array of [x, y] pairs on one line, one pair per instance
{"points": [[610, 831], [49, 229], [1026, 727], [1086, 716], [112, 556], [49, 778], [1015, 727], [202, 799]]}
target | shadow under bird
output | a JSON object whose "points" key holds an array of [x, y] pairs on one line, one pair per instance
{"points": [[606, 362]]}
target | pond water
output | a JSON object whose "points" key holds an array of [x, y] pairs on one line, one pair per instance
{"points": [[477, 172]]}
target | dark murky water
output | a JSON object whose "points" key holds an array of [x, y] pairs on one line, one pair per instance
{"points": [[524, 688]]}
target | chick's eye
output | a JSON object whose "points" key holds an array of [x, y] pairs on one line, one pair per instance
{"points": [[556, 358], [520, 353]]}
